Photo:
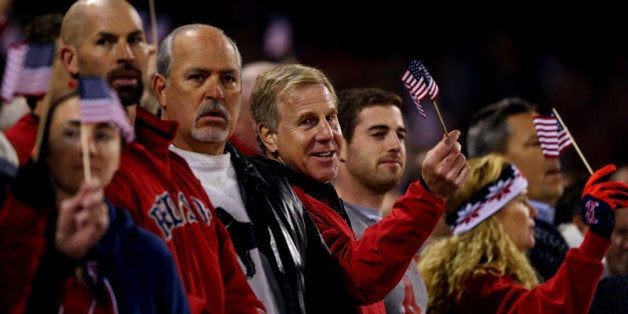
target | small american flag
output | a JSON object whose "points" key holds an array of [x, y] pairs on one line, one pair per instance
{"points": [[28, 69], [99, 103], [419, 84], [552, 136]]}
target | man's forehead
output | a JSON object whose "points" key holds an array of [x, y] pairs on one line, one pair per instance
{"points": [[308, 94], [113, 17]]}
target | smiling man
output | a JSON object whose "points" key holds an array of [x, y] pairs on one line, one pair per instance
{"points": [[294, 108], [198, 85]]}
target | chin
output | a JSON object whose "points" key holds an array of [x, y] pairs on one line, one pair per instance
{"points": [[323, 176]]}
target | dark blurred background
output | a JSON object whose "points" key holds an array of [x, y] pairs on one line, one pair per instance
{"points": [[571, 57]]}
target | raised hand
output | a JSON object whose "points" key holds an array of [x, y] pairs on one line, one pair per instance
{"points": [[599, 200], [83, 219], [445, 168]]}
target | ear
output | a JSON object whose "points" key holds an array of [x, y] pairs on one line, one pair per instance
{"points": [[159, 86], [268, 137], [67, 53]]}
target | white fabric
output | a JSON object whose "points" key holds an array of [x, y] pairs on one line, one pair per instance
{"points": [[218, 177], [500, 193], [571, 234]]}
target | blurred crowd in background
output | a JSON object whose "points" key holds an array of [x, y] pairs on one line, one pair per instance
{"points": [[573, 59]]}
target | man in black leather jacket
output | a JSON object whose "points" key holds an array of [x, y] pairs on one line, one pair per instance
{"points": [[198, 84]]}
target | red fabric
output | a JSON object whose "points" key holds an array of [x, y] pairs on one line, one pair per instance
{"points": [[80, 299], [376, 262], [569, 291], [241, 147], [22, 136], [22, 242], [151, 182]]}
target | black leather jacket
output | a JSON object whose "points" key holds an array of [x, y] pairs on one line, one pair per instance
{"points": [[278, 227], [324, 278]]}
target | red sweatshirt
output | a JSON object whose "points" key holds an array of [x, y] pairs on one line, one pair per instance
{"points": [[570, 290], [165, 197], [22, 136], [376, 262]]}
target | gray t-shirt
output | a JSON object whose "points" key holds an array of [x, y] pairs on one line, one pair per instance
{"points": [[396, 301]]}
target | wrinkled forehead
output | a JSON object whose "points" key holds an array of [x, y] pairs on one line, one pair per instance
{"points": [[120, 20], [306, 93]]}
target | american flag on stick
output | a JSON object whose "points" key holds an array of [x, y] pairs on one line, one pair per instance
{"points": [[552, 136], [100, 103], [420, 84], [28, 69]]}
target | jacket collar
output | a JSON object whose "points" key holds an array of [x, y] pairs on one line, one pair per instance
{"points": [[324, 192]]}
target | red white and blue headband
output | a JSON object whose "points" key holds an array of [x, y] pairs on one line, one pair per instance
{"points": [[487, 201]]}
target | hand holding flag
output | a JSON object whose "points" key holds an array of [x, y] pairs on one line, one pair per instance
{"points": [[420, 84]]}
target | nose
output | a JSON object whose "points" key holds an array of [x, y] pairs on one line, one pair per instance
{"points": [[87, 144], [125, 53], [533, 211], [214, 89], [393, 142], [623, 238], [325, 131]]}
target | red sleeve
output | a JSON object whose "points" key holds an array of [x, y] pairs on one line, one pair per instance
{"points": [[239, 295], [22, 136], [376, 262], [569, 291], [22, 239]]}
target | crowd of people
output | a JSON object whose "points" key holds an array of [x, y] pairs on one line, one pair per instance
{"points": [[259, 188]]}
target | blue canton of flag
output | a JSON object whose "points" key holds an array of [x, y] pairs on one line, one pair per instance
{"points": [[28, 70], [99, 103], [419, 84]]}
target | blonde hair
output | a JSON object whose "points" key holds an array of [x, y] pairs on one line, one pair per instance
{"points": [[487, 249], [277, 84]]}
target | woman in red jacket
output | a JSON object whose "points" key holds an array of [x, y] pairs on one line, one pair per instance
{"points": [[483, 268]]}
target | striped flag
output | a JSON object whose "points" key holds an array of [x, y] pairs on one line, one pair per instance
{"points": [[419, 84], [552, 136], [100, 103], [28, 69]]}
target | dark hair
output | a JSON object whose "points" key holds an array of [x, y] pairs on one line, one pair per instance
{"points": [[43, 29], [57, 99], [568, 205], [34, 177], [352, 101], [488, 130]]}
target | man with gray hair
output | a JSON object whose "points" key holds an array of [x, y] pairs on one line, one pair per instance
{"points": [[198, 84]]}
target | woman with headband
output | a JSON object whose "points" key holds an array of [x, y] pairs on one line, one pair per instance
{"points": [[483, 267]]}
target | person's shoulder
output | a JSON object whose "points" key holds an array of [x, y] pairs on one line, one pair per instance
{"points": [[8, 157], [610, 295], [137, 240]]}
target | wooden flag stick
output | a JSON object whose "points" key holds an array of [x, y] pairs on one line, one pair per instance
{"points": [[573, 141], [440, 118], [153, 22], [43, 116], [85, 146]]}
